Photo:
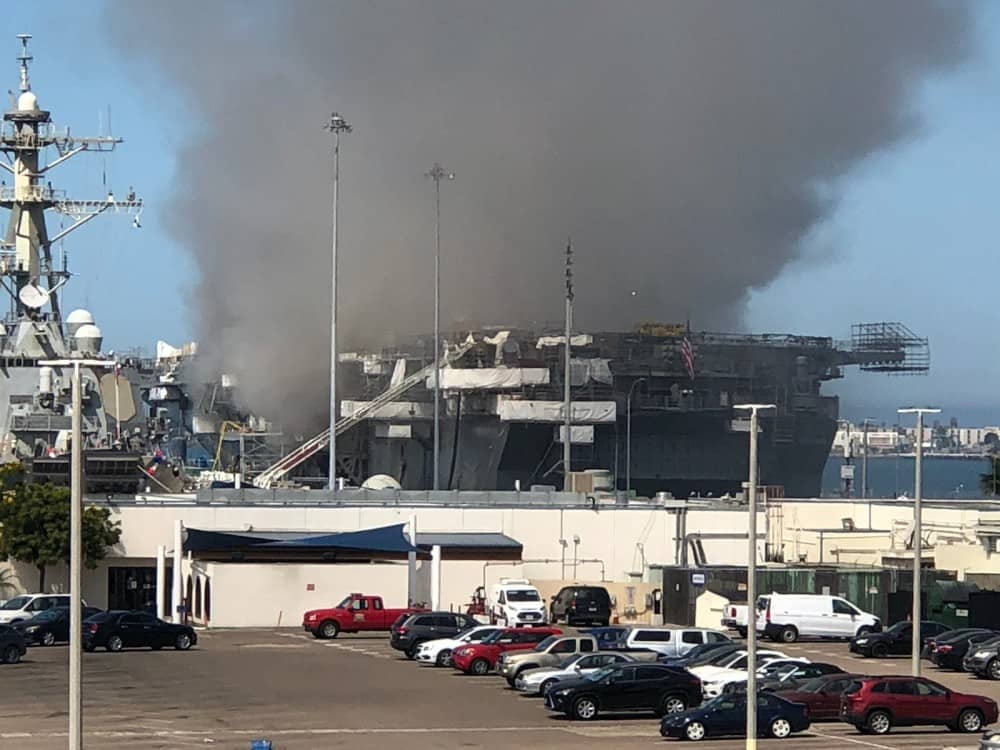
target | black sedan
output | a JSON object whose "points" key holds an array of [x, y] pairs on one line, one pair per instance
{"points": [[897, 640], [115, 630], [50, 626], [950, 653], [631, 687], [726, 715], [12, 645]]}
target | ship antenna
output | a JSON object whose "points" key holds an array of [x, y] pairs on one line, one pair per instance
{"points": [[24, 58]]}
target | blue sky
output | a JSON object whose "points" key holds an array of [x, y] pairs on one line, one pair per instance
{"points": [[913, 239]]}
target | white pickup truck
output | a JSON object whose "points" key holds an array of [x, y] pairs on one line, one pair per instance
{"points": [[734, 617]]}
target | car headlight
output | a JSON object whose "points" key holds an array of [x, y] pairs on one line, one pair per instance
{"points": [[980, 654], [563, 692], [311, 617], [463, 652], [861, 641], [31, 629]]}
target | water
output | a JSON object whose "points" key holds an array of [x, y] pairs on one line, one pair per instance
{"points": [[891, 476]]}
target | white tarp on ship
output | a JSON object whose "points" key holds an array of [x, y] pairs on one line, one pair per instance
{"points": [[401, 410], [587, 412], [584, 371], [490, 378], [582, 339], [166, 352]]}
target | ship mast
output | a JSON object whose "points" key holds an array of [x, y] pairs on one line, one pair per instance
{"points": [[27, 271]]}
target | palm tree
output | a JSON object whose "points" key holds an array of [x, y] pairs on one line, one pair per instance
{"points": [[6, 582]]}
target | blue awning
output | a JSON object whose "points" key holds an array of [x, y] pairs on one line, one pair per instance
{"points": [[386, 539]]}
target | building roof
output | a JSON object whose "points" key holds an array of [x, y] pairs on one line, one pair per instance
{"points": [[467, 540]]}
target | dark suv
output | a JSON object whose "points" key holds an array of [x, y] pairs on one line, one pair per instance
{"points": [[428, 626], [581, 604], [12, 645], [626, 687]]}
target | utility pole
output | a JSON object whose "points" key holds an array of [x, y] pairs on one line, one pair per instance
{"points": [[437, 174], [76, 548], [751, 718], [336, 125], [628, 436], [864, 473], [567, 403], [918, 551]]}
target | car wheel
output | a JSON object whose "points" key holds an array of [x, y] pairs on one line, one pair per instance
{"points": [[114, 643], [479, 666], [182, 642], [544, 687], [878, 722], [585, 709], [443, 658], [329, 629], [11, 655], [993, 669], [49, 639], [673, 704], [788, 634], [411, 652], [780, 728], [970, 720], [695, 731], [880, 651]]}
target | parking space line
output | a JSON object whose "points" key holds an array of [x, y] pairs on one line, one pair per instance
{"points": [[852, 739]]}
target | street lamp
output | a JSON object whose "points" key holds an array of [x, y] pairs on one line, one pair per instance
{"points": [[437, 174], [336, 125], [751, 720], [918, 551], [576, 545], [628, 435], [76, 548]]}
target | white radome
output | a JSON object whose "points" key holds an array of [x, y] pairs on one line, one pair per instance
{"points": [[27, 102], [381, 482]]}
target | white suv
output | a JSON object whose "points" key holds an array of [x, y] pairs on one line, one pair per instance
{"points": [[28, 605]]}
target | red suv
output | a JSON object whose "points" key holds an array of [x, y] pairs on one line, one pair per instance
{"points": [[875, 704], [480, 658]]}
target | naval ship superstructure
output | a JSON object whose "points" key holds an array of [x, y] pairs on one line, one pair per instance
{"points": [[662, 396], [35, 398]]}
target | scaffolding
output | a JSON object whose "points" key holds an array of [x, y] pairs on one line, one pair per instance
{"points": [[890, 347]]}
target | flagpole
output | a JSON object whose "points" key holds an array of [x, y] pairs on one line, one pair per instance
{"points": [[118, 411]]}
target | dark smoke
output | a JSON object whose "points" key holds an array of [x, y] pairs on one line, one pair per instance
{"points": [[689, 148]]}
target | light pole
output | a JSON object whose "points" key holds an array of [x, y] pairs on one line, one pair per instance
{"points": [[76, 548], [437, 174], [567, 402], [336, 125], [751, 720], [917, 531], [628, 436], [576, 547]]}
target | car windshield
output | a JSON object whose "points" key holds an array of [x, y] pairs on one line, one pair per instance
{"points": [[568, 663], [344, 602], [523, 595], [899, 627], [493, 638], [714, 659], [542, 645], [18, 602]]}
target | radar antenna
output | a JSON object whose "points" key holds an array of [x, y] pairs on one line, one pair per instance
{"points": [[24, 58]]}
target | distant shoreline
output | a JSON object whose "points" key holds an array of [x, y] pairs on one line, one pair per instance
{"points": [[952, 456]]}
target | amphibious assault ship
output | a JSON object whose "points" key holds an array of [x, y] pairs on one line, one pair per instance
{"points": [[652, 410]]}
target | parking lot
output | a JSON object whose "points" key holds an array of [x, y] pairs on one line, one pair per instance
{"points": [[353, 692]]}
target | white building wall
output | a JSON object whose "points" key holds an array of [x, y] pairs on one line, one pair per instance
{"points": [[276, 594]]}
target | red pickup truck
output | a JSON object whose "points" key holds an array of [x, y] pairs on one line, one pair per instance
{"points": [[355, 613], [480, 658]]}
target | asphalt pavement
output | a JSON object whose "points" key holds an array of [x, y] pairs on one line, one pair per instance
{"points": [[355, 691]]}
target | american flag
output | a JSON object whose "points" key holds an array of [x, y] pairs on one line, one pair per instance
{"points": [[688, 353]]}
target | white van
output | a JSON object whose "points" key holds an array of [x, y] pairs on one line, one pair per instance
{"points": [[27, 606], [514, 602], [786, 617]]}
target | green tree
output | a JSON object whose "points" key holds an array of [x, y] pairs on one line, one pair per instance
{"points": [[34, 528], [989, 482]]}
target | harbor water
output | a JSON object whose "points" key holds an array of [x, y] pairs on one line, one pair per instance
{"points": [[892, 476]]}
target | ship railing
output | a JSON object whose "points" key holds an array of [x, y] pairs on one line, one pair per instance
{"points": [[32, 194]]}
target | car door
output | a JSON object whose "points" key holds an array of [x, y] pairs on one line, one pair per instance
{"points": [[621, 690], [935, 702], [843, 619], [60, 626], [827, 702], [902, 642], [130, 630], [689, 639], [905, 705], [727, 715]]}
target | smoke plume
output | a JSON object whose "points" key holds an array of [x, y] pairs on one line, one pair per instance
{"points": [[688, 148]]}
